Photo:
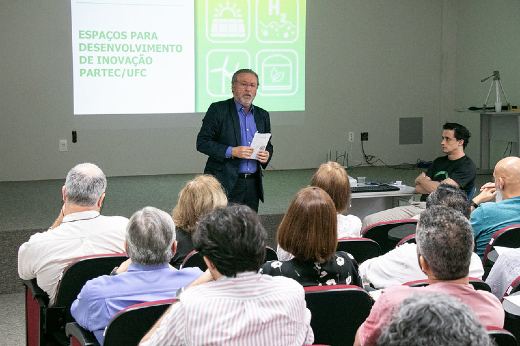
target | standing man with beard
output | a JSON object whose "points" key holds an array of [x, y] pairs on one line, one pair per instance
{"points": [[228, 128], [487, 218]]}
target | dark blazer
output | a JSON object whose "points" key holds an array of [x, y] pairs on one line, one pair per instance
{"points": [[221, 129]]}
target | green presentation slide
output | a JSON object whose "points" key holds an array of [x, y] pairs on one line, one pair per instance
{"points": [[178, 56]]}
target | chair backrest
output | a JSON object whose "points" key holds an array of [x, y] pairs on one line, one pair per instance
{"points": [[79, 272], [501, 336], [270, 254], [507, 236], [407, 240], [513, 287], [51, 321], [194, 259], [36, 301], [74, 278], [129, 326], [379, 232], [337, 312], [360, 248], [475, 282]]}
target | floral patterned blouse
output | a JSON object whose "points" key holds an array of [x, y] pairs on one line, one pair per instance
{"points": [[342, 269]]}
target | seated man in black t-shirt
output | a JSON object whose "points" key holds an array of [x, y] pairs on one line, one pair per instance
{"points": [[455, 169]]}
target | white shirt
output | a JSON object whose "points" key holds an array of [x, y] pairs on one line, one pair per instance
{"points": [[349, 226], [251, 309], [47, 254], [505, 270], [401, 265]]}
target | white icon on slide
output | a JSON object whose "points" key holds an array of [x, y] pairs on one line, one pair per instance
{"points": [[279, 70], [227, 23], [278, 21], [220, 66]]}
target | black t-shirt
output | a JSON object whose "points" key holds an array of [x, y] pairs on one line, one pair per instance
{"points": [[463, 171]]}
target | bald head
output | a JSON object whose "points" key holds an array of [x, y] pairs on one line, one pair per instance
{"points": [[507, 176]]}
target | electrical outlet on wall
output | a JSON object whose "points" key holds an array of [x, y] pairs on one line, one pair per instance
{"points": [[364, 136], [351, 137], [62, 146]]}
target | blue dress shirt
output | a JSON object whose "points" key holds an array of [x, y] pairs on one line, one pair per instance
{"points": [[103, 297], [247, 133]]}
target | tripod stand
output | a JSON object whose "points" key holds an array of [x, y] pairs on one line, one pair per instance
{"points": [[498, 87]]}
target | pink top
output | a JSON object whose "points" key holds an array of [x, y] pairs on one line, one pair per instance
{"points": [[486, 306]]}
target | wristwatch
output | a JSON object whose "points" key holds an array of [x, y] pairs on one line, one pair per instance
{"points": [[114, 271], [473, 204], [178, 293]]}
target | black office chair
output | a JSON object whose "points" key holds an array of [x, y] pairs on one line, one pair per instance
{"points": [[337, 312], [379, 232], [475, 282], [270, 254], [194, 259], [501, 337], [360, 248], [127, 327], [46, 324], [407, 240], [507, 236]]}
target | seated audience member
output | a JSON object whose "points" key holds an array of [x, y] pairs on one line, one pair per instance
{"points": [[241, 306], [434, 319], [198, 197], [400, 265], [308, 231], [505, 270], [333, 178], [78, 231], [145, 277], [444, 246], [456, 169], [487, 218]]}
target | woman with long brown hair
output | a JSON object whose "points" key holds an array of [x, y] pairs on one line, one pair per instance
{"points": [[308, 231]]}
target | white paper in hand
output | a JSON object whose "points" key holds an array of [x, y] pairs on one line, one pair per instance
{"points": [[259, 143]]}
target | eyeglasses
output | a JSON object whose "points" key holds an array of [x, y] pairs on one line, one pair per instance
{"points": [[245, 85]]}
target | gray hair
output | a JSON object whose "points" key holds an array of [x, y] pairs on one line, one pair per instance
{"points": [[434, 319], [84, 185], [450, 196], [149, 237], [234, 79], [445, 239]]}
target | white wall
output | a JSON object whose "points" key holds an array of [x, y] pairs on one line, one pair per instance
{"points": [[488, 36], [368, 63]]}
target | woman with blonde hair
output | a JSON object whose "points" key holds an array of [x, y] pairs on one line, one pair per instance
{"points": [[333, 178], [198, 197], [308, 231]]}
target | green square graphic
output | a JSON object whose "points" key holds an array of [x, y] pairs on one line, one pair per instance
{"points": [[267, 36]]}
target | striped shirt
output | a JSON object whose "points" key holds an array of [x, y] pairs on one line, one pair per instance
{"points": [[251, 309]]}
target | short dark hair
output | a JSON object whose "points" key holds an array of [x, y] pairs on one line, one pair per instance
{"points": [[450, 196], [232, 238], [460, 132], [434, 319], [445, 239]]}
